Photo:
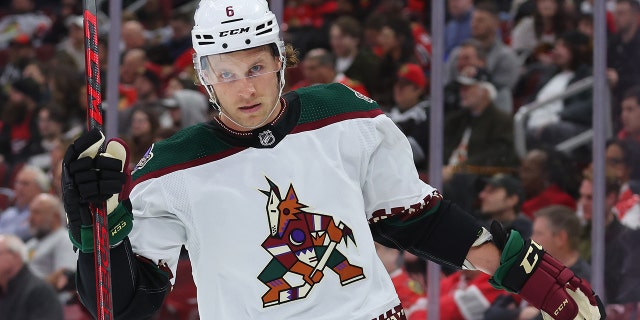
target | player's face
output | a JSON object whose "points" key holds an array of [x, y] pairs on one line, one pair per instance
{"points": [[246, 86]]}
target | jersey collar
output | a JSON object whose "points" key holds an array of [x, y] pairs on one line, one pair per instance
{"points": [[267, 136]]}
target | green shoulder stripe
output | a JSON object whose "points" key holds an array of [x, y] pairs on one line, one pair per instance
{"points": [[181, 150], [327, 100]]}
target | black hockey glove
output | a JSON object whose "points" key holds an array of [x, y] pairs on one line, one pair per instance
{"points": [[547, 284], [89, 176]]}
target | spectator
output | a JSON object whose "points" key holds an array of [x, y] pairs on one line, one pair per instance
{"points": [[411, 293], [500, 200], [630, 114], [458, 28], [584, 24], [548, 178], [396, 41], [23, 20], [39, 72], [144, 125], [352, 59], [133, 61], [148, 87], [62, 10], [622, 52], [176, 52], [24, 296], [557, 229], [30, 181], [478, 132], [179, 82], [501, 62], [615, 232], [622, 163], [478, 140], [371, 32], [559, 120], [186, 108], [548, 23], [19, 137], [50, 250], [318, 67], [19, 54], [133, 35], [51, 124], [410, 111], [470, 57], [307, 23], [73, 44]]}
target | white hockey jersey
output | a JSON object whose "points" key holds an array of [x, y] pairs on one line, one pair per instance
{"points": [[276, 220]]}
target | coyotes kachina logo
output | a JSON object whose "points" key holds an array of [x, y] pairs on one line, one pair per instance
{"points": [[303, 245]]}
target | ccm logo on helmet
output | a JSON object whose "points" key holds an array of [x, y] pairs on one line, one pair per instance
{"points": [[233, 31]]}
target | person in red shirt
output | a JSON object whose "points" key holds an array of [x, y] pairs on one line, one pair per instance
{"points": [[548, 178]]}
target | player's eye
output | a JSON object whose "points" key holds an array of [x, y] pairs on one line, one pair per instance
{"points": [[256, 70], [226, 76]]}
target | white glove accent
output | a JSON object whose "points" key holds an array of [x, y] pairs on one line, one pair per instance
{"points": [[585, 309], [115, 149]]}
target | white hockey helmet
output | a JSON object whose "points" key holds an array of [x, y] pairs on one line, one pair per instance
{"points": [[223, 26]]}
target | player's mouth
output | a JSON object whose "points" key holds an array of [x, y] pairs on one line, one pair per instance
{"points": [[251, 108]]}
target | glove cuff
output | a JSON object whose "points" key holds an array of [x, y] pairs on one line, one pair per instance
{"points": [[120, 224], [506, 276]]}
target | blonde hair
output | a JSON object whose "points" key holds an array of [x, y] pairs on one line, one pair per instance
{"points": [[291, 55]]}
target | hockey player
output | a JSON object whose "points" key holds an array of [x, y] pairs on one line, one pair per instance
{"points": [[349, 173]]}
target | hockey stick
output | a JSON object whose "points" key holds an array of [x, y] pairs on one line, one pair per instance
{"points": [[94, 121]]}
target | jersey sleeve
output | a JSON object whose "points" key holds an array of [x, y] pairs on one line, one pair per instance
{"points": [[406, 213], [158, 233], [391, 182]]}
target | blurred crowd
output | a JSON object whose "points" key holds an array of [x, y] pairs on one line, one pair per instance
{"points": [[517, 96]]}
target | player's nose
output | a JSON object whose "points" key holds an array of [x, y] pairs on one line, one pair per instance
{"points": [[246, 88]]}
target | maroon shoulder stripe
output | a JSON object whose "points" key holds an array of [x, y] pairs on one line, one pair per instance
{"points": [[336, 118], [185, 165]]}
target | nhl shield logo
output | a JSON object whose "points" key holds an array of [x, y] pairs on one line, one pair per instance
{"points": [[266, 138]]}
